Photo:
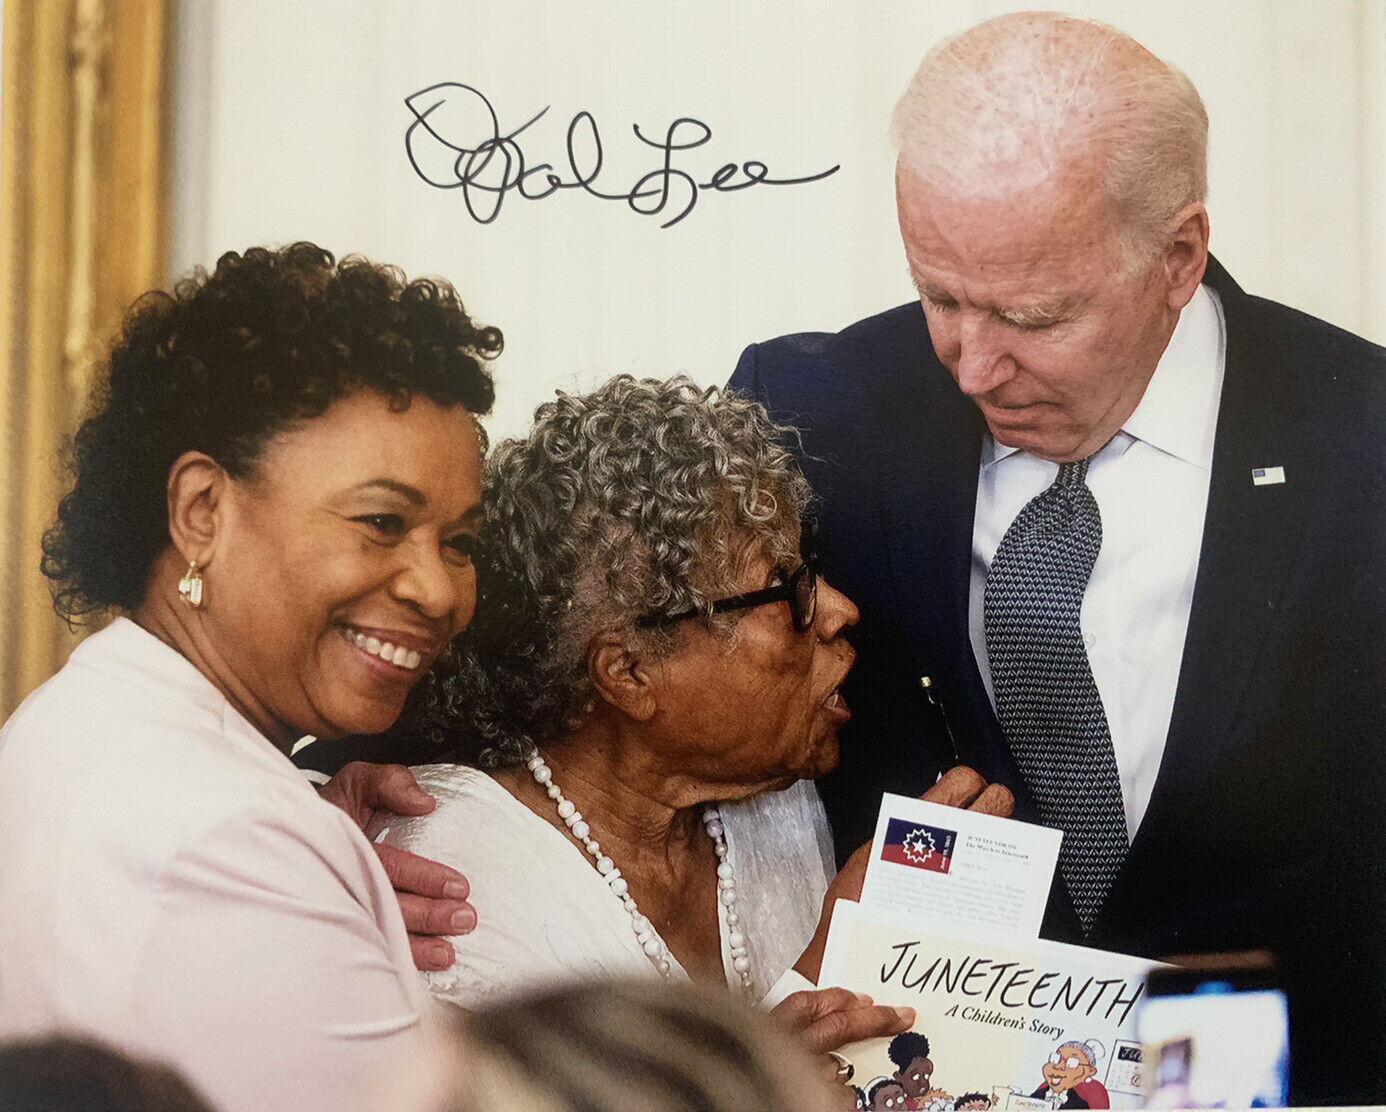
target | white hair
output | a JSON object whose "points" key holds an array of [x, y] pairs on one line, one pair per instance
{"points": [[1018, 100], [1090, 1049]]}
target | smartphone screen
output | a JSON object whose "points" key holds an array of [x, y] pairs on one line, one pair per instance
{"points": [[1215, 1038]]}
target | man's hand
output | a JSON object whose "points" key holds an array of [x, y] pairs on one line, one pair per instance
{"points": [[829, 1018], [960, 786], [432, 897]]}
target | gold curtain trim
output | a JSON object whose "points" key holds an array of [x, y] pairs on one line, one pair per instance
{"points": [[82, 204]]}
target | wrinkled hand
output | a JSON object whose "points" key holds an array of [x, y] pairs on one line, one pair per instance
{"points": [[829, 1018], [961, 787], [432, 896]]}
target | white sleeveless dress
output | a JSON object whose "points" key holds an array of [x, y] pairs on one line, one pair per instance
{"points": [[547, 918]]}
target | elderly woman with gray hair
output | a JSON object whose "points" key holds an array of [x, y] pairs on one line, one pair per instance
{"points": [[648, 687]]}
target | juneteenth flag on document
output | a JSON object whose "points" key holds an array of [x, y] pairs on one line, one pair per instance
{"points": [[917, 845]]}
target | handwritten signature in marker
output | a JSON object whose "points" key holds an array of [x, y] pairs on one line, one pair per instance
{"points": [[488, 164]]}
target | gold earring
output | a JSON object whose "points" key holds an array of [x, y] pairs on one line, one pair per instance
{"points": [[190, 586]]}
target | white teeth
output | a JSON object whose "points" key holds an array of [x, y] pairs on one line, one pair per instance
{"points": [[397, 655]]}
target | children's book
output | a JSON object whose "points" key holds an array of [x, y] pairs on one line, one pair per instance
{"points": [[1004, 1023]]}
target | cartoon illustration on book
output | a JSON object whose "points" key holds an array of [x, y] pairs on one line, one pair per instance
{"points": [[1070, 1077], [886, 1093], [993, 1002], [909, 1053]]}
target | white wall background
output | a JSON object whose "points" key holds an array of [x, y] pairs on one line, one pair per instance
{"points": [[290, 123]]}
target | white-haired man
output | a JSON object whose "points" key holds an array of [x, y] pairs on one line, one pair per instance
{"points": [[1116, 522]]}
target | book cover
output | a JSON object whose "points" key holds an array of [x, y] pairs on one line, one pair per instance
{"points": [[1002, 1022]]}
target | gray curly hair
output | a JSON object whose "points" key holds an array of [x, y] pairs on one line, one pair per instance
{"points": [[641, 497], [1090, 1049]]}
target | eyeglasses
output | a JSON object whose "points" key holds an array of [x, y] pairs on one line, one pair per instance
{"points": [[799, 588]]}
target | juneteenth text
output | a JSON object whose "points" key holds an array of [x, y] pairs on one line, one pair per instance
{"points": [[1008, 984]]}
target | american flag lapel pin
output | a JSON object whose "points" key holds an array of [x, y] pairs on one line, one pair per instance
{"points": [[1267, 476]]}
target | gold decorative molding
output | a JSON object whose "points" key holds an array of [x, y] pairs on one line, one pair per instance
{"points": [[82, 233]]}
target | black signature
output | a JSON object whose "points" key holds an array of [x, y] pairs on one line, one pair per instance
{"points": [[488, 165]]}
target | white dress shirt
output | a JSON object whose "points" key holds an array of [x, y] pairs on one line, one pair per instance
{"points": [[171, 884], [1151, 486]]}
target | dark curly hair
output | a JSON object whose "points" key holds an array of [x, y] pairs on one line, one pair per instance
{"points": [[638, 498], [906, 1047], [268, 339]]}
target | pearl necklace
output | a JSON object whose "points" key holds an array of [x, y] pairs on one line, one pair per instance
{"points": [[645, 934]]}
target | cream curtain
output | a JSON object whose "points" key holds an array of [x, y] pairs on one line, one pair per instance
{"points": [[82, 232]]}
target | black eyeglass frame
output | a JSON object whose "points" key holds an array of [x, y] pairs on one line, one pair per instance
{"points": [[801, 613]]}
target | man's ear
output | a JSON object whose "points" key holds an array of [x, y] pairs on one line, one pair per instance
{"points": [[620, 677], [196, 486], [1186, 254]]}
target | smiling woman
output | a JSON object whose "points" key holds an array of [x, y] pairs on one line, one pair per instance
{"points": [[279, 490], [365, 518]]}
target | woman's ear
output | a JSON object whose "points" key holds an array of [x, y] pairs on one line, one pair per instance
{"points": [[620, 677], [196, 487]]}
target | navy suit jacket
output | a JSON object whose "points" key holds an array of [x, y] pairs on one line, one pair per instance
{"points": [[1264, 829]]}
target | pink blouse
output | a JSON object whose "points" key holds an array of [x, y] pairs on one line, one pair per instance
{"points": [[170, 883]]}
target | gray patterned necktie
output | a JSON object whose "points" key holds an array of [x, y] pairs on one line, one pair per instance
{"points": [[1046, 700]]}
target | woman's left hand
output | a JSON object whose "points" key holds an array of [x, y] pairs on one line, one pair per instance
{"points": [[827, 1019], [830, 1018], [432, 897]]}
